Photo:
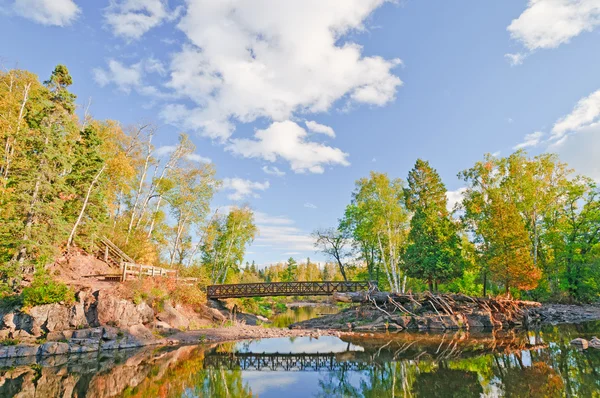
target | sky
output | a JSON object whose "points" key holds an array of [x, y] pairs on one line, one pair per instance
{"points": [[295, 100]]}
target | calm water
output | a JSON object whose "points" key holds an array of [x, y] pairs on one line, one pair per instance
{"points": [[301, 313], [515, 364]]}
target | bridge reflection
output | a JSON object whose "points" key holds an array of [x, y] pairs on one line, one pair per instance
{"points": [[291, 362]]}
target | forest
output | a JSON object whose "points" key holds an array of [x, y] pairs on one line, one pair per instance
{"points": [[526, 226], [66, 181]]}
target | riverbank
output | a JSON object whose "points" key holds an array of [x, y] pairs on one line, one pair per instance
{"points": [[383, 312]]}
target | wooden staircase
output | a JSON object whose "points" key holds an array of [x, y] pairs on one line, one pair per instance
{"points": [[112, 255], [129, 269]]}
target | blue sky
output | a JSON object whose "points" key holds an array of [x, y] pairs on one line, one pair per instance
{"points": [[293, 101]]}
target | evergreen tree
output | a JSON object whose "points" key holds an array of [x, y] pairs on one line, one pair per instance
{"points": [[291, 270], [434, 251]]}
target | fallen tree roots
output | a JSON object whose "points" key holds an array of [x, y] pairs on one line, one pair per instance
{"points": [[505, 309]]}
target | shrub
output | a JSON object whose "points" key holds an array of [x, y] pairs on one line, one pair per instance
{"points": [[7, 342], [45, 290]]}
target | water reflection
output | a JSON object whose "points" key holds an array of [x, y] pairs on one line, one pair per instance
{"points": [[301, 313], [511, 364]]}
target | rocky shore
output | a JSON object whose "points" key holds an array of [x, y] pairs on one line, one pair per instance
{"points": [[444, 312]]}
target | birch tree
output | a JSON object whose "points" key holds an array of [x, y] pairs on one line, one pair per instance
{"points": [[378, 210]]}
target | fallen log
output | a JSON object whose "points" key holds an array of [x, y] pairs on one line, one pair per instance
{"points": [[451, 300]]}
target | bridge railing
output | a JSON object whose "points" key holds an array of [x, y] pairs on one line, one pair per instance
{"points": [[326, 288]]}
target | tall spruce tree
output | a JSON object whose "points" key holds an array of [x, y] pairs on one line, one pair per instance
{"points": [[434, 251]]}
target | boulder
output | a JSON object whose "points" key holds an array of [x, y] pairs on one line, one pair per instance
{"points": [[173, 317], [111, 333], [20, 350], [53, 348], [594, 342], [580, 343], [48, 318], [479, 319], [92, 333], [77, 346], [121, 313]]}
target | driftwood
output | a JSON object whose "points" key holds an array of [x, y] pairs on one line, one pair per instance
{"points": [[511, 311]]}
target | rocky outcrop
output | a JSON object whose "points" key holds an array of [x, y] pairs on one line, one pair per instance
{"points": [[171, 316], [113, 311], [90, 310], [84, 341]]}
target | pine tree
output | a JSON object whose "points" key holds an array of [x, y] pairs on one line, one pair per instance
{"points": [[434, 251], [291, 270]]}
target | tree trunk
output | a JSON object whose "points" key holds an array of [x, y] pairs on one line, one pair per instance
{"points": [[85, 203]]}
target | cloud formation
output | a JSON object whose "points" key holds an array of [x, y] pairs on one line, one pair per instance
{"points": [[531, 140], [273, 171], [550, 23], [48, 12], [243, 188], [576, 136], [132, 18], [279, 232], [270, 59], [288, 141], [319, 128]]}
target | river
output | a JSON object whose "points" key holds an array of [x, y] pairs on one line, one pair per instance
{"points": [[538, 363]]}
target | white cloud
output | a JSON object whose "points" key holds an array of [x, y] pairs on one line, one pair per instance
{"points": [[271, 59], [455, 197], [288, 141], [320, 128], [576, 137], [197, 158], [168, 149], [550, 23], [531, 140], [243, 188], [310, 205], [48, 12], [263, 218], [515, 59], [273, 171], [585, 113], [581, 151], [279, 232], [127, 78], [122, 76], [132, 18]]}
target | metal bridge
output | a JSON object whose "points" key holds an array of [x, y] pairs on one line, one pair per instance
{"points": [[285, 289], [284, 362]]}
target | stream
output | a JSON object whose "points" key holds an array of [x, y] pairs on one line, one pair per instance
{"points": [[538, 363]]}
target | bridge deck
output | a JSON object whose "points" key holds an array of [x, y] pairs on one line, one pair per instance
{"points": [[284, 289]]}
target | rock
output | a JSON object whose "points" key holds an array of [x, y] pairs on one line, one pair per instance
{"points": [[141, 332], [162, 325], [20, 350], [48, 318], [111, 333], [53, 348], [581, 343], [479, 319], [594, 342], [83, 345], [59, 335], [121, 313], [93, 333], [173, 317]]}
